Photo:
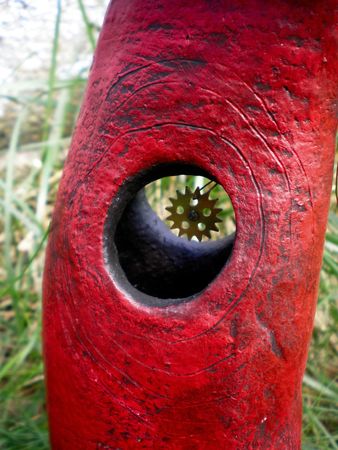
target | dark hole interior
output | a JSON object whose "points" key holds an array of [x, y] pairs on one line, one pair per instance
{"points": [[148, 260]]}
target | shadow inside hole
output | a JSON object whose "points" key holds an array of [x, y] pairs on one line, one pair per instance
{"points": [[152, 264]]}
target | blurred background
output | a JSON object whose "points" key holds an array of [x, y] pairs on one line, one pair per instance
{"points": [[46, 49]]}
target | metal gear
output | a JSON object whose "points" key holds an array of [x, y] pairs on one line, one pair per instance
{"points": [[193, 213]]}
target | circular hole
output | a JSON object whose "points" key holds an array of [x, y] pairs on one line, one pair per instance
{"points": [[194, 202], [206, 212], [193, 215], [156, 262]]}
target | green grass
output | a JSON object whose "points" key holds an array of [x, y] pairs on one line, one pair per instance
{"points": [[30, 172]]}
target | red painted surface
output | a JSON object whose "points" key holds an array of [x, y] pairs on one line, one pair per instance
{"points": [[243, 89]]}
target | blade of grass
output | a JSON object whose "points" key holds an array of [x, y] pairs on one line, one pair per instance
{"points": [[18, 359], [323, 429], [7, 205], [10, 165], [88, 25], [333, 238], [319, 387], [30, 225], [30, 262], [53, 65], [330, 263], [23, 208], [51, 152]]}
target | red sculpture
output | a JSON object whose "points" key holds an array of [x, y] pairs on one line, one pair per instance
{"points": [[242, 91]]}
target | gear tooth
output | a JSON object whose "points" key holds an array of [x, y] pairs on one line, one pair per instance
{"points": [[181, 232], [213, 228], [187, 190], [176, 222], [217, 210], [214, 217], [213, 202], [174, 226], [171, 209], [207, 233], [197, 193]]}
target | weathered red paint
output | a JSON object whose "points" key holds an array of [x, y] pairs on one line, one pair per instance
{"points": [[243, 89]]}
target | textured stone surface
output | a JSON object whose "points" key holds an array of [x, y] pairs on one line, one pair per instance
{"points": [[244, 90]]}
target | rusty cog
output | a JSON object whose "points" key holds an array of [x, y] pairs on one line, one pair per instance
{"points": [[193, 214]]}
